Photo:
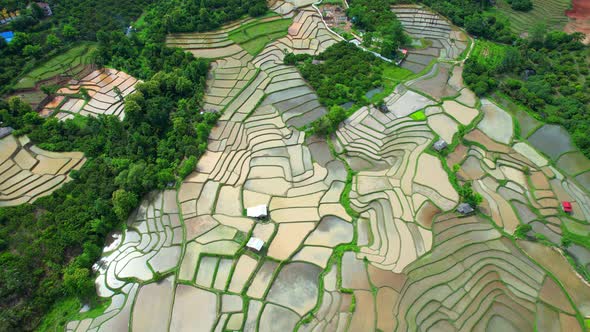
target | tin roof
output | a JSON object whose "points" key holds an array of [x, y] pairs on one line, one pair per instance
{"points": [[258, 211], [255, 243]]}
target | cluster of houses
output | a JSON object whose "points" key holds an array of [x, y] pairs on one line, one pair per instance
{"points": [[6, 16], [335, 16]]}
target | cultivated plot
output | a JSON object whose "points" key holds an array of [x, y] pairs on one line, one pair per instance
{"points": [[360, 232], [28, 172], [100, 92]]}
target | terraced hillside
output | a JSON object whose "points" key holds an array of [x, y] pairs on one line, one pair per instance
{"points": [[442, 40], [28, 172], [361, 233], [70, 63], [237, 79], [100, 92], [477, 280]]}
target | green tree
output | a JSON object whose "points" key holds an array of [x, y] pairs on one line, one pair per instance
{"points": [[537, 35], [123, 202], [52, 41], [69, 32], [469, 196], [328, 124], [32, 50], [522, 230], [77, 282], [187, 166]]}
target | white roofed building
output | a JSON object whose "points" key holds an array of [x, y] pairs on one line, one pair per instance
{"points": [[259, 211], [255, 244]]}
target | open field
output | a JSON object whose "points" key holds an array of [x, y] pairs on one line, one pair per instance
{"points": [[254, 36], [361, 232], [69, 63], [443, 41], [548, 12], [28, 172]]}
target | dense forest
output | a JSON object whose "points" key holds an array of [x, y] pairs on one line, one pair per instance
{"points": [[383, 31], [38, 38], [342, 73], [47, 248], [547, 73], [198, 15]]}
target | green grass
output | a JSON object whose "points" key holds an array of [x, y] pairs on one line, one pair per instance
{"points": [[59, 64], [550, 12], [488, 53], [256, 45], [57, 318], [254, 36], [395, 73], [418, 116]]}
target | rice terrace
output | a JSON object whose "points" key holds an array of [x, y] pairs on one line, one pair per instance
{"points": [[294, 165]]}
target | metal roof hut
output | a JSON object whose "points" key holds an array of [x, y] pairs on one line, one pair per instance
{"points": [[567, 207], [255, 244], [465, 208], [258, 212], [5, 131], [440, 145]]}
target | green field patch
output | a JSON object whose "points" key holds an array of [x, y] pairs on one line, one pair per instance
{"points": [[489, 53], [70, 62], [254, 36], [549, 12], [418, 116], [257, 44], [396, 73]]}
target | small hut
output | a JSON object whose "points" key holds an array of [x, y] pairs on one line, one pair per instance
{"points": [[440, 145], [255, 244], [465, 209], [258, 212], [5, 131]]}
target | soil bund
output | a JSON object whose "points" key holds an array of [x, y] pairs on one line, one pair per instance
{"points": [[580, 14]]}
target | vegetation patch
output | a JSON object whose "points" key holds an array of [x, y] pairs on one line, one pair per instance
{"points": [[183, 16], [254, 36], [69, 63], [546, 73], [489, 54], [383, 32], [550, 12], [418, 116], [342, 73]]}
